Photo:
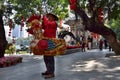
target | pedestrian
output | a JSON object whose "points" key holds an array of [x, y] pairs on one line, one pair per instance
{"points": [[105, 44], [49, 25], [101, 44], [83, 45], [110, 49], [90, 41]]}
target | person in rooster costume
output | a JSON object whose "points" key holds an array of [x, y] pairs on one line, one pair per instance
{"points": [[50, 26], [45, 42]]}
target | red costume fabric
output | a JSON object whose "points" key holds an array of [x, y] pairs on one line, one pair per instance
{"points": [[72, 4], [49, 27]]}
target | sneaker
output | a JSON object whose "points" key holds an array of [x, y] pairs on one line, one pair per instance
{"points": [[49, 76]]}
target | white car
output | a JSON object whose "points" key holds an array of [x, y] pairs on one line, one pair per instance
{"points": [[18, 48]]}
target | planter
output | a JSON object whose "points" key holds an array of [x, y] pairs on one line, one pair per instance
{"points": [[9, 61]]}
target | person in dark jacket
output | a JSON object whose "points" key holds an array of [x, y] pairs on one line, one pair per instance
{"points": [[83, 45], [101, 44]]}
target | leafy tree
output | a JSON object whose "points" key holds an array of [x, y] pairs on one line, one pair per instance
{"points": [[91, 12], [22, 9]]}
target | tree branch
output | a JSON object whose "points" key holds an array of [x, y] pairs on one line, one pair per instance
{"points": [[83, 16], [91, 5]]}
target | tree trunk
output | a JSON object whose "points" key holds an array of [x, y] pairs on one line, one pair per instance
{"points": [[3, 41], [99, 28], [114, 43], [108, 34]]}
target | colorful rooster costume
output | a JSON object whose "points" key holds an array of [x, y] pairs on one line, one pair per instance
{"points": [[43, 45]]}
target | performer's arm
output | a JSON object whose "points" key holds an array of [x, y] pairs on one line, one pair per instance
{"points": [[47, 22]]}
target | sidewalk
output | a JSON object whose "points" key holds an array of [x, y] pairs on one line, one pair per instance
{"points": [[90, 65]]}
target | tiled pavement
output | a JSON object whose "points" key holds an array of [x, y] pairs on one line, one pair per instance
{"points": [[90, 65]]}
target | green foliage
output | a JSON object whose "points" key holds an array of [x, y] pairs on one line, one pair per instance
{"points": [[115, 26], [59, 8], [10, 49], [24, 8], [111, 8], [27, 7]]}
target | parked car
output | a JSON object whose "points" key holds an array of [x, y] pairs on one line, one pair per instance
{"points": [[18, 48]]}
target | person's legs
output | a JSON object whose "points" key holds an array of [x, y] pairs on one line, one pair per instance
{"points": [[89, 45], [49, 62], [84, 48], [50, 68]]}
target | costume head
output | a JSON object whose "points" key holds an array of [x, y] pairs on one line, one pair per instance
{"points": [[33, 17], [33, 21]]}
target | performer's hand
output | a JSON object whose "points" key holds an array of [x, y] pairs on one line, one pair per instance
{"points": [[43, 13]]}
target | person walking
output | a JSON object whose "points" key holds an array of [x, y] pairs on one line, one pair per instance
{"points": [[101, 44], [50, 26], [90, 42], [83, 45], [105, 44]]}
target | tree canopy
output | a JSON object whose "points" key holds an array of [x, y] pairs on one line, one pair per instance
{"points": [[111, 8], [25, 8]]}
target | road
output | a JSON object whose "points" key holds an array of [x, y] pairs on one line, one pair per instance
{"points": [[90, 65]]}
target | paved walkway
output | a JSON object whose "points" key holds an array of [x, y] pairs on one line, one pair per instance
{"points": [[90, 65]]}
